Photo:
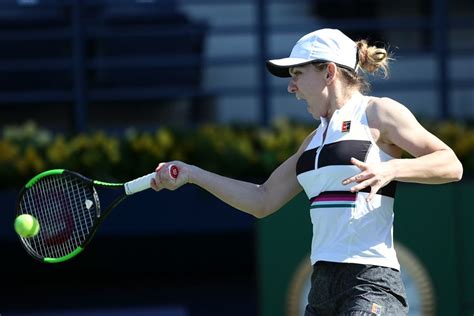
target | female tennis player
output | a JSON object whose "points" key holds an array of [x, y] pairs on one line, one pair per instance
{"points": [[348, 167]]}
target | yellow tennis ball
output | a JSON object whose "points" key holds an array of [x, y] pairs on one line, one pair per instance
{"points": [[26, 226]]}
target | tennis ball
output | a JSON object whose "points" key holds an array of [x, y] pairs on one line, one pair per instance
{"points": [[26, 226]]}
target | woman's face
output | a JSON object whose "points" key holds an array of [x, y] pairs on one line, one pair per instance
{"points": [[309, 84]]}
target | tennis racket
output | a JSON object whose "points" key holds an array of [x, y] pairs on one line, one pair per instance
{"points": [[67, 207]]}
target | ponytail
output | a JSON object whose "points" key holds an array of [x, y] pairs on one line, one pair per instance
{"points": [[372, 58]]}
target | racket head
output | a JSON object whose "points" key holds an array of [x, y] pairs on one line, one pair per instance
{"points": [[67, 207]]}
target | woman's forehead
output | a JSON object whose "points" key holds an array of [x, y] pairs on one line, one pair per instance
{"points": [[299, 67]]}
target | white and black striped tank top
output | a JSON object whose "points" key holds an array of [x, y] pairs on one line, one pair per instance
{"points": [[347, 228]]}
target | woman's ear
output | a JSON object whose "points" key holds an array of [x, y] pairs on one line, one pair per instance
{"points": [[331, 70]]}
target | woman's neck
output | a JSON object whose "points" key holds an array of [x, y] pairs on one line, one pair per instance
{"points": [[339, 99]]}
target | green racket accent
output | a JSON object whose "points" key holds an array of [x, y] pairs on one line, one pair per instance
{"points": [[67, 207], [107, 184], [62, 259], [42, 175]]}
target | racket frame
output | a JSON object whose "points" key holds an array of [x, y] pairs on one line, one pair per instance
{"points": [[128, 188], [101, 214]]}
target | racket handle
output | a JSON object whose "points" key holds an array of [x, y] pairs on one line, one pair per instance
{"points": [[143, 183]]}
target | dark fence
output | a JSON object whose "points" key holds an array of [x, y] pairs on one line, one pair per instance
{"points": [[76, 53]]}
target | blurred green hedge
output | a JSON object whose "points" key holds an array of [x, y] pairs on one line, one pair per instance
{"points": [[248, 152]]}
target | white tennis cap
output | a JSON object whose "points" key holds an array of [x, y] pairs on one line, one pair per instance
{"points": [[321, 45]]}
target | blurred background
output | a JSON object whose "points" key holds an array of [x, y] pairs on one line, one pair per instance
{"points": [[109, 88]]}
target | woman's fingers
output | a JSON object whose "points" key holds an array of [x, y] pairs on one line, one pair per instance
{"points": [[169, 175]]}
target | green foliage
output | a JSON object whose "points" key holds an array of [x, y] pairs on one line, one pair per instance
{"points": [[243, 152], [249, 152], [460, 138]]}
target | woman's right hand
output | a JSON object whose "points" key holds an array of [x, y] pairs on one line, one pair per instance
{"points": [[165, 177]]}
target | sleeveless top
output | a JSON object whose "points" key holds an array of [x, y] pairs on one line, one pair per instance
{"points": [[347, 228]]}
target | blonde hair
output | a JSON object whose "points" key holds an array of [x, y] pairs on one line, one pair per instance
{"points": [[371, 59]]}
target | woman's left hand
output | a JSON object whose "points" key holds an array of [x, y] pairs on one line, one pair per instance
{"points": [[376, 175]]}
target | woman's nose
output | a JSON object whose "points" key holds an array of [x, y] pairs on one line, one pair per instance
{"points": [[291, 86]]}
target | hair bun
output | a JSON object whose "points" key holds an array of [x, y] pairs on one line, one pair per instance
{"points": [[372, 58]]}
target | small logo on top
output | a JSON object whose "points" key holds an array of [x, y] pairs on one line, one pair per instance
{"points": [[346, 126]]}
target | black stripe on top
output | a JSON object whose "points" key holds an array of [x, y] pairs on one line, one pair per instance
{"points": [[306, 161], [388, 190], [340, 153]]}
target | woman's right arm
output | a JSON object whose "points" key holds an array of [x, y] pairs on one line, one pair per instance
{"points": [[257, 200]]}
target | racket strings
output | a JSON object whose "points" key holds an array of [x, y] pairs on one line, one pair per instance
{"points": [[66, 208]]}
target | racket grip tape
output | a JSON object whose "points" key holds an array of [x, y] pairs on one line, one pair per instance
{"points": [[143, 183]]}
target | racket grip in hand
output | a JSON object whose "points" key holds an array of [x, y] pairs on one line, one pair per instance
{"points": [[143, 183]]}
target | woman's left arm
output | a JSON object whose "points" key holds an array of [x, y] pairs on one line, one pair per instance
{"points": [[433, 163]]}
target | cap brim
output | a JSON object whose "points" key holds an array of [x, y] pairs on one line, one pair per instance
{"points": [[281, 67]]}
